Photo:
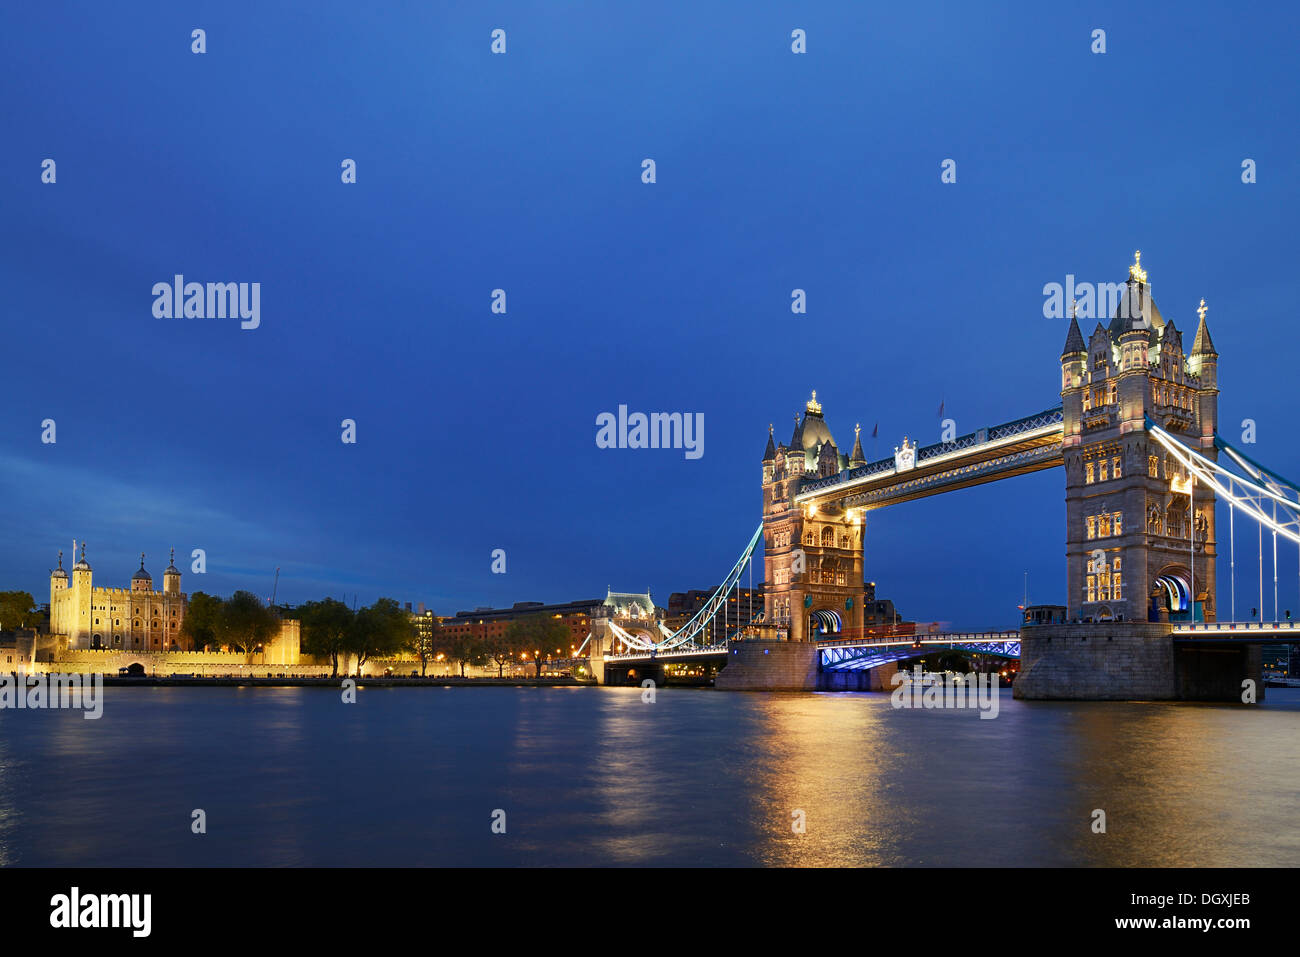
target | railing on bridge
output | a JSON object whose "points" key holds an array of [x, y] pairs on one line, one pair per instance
{"points": [[871, 651], [702, 651], [924, 455]]}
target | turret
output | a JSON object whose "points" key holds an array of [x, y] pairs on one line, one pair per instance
{"points": [[1204, 361], [857, 458], [81, 571], [172, 577], [1074, 356], [795, 463], [141, 580], [58, 577]]}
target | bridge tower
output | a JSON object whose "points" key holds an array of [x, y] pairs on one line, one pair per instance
{"points": [[812, 558], [1140, 536]]}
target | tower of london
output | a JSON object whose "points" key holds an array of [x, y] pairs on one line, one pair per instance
{"points": [[136, 618]]}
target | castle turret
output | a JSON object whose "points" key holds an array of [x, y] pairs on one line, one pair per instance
{"points": [[141, 580], [857, 458], [76, 618], [1204, 361], [172, 577], [58, 577]]}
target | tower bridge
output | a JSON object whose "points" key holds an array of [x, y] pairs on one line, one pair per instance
{"points": [[1145, 467]]}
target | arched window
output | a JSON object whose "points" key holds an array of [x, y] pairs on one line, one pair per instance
{"points": [[828, 537]]}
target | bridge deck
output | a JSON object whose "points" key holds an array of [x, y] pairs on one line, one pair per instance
{"points": [[1239, 632], [985, 455]]}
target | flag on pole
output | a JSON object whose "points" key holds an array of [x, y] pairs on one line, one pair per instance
{"points": [[876, 431]]}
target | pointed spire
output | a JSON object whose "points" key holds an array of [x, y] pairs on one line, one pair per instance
{"points": [[796, 440], [769, 454], [1074, 339], [857, 458], [1203, 344]]}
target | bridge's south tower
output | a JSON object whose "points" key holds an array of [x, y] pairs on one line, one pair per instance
{"points": [[1140, 537], [812, 557]]}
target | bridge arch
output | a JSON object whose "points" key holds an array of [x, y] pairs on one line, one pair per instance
{"points": [[826, 622], [1171, 591]]}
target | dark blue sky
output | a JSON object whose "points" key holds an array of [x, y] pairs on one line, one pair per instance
{"points": [[477, 431]]}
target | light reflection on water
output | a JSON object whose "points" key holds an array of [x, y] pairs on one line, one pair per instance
{"points": [[595, 776]]}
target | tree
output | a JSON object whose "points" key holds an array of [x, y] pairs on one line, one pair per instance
{"points": [[326, 627], [17, 610], [424, 640], [465, 649], [202, 620], [246, 623], [537, 635], [378, 630], [501, 650]]}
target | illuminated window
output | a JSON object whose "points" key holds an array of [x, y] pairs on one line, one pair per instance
{"points": [[1115, 471], [1092, 527], [1153, 466], [1117, 518], [1117, 586], [1092, 591], [1088, 473], [1101, 471], [1103, 526]]}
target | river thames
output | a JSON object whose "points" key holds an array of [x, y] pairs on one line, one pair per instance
{"points": [[594, 776]]}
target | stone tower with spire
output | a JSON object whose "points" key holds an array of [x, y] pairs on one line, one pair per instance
{"points": [[812, 558], [1140, 537], [138, 618]]}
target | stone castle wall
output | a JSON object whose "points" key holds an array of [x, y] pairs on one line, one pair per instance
{"points": [[1129, 661], [765, 665], [164, 663]]}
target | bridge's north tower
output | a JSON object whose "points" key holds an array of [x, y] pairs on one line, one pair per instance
{"points": [[812, 557], [1140, 537]]}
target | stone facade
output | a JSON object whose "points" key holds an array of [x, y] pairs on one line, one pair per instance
{"points": [[136, 618], [812, 558], [1129, 661], [1130, 507], [766, 665]]}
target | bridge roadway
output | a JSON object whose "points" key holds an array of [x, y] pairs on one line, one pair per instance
{"points": [[985, 455], [1237, 633], [872, 651], [853, 654]]}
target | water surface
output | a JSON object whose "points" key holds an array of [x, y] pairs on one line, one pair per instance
{"points": [[412, 776]]}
